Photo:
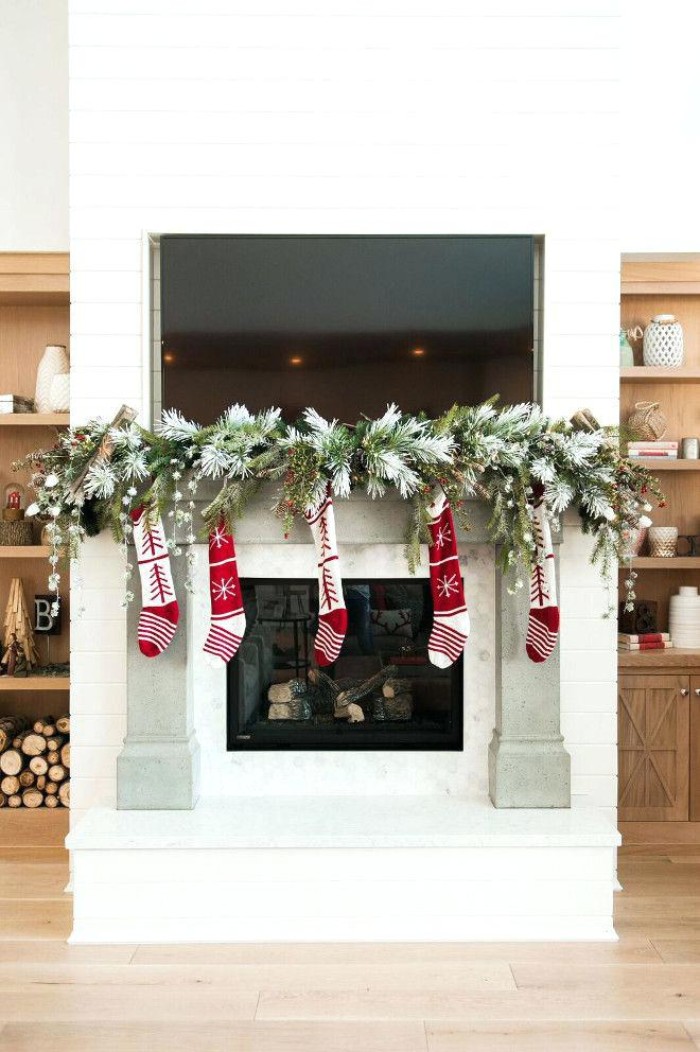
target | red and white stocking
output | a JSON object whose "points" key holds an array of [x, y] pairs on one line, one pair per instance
{"points": [[332, 615], [543, 623], [227, 616], [160, 611], [450, 617]]}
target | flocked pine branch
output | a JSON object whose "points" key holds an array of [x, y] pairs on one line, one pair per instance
{"points": [[176, 427]]}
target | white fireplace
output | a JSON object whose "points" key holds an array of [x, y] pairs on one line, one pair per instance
{"points": [[474, 841], [341, 845], [441, 125]]}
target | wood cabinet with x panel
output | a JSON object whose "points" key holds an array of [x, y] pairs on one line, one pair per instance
{"points": [[659, 747], [653, 748]]}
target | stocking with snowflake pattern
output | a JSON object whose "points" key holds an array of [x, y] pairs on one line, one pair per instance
{"points": [[227, 615], [450, 617], [332, 615], [543, 622], [160, 611]]}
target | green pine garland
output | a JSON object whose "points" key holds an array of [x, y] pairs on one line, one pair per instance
{"points": [[495, 454]]}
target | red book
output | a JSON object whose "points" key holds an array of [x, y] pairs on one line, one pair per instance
{"points": [[645, 646]]}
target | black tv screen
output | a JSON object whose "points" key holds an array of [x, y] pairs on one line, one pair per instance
{"points": [[345, 324]]}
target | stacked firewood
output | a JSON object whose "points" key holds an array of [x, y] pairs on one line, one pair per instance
{"points": [[34, 762], [382, 697]]}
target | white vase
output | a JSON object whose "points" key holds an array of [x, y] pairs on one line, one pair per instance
{"points": [[53, 362], [60, 393], [684, 618]]}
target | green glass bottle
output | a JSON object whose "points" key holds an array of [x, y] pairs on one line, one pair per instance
{"points": [[626, 351]]}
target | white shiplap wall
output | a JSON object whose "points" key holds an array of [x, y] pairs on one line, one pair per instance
{"points": [[455, 117], [34, 123]]}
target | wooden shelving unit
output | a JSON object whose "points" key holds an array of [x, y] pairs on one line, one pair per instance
{"points": [[34, 311], [666, 286], [659, 691]]}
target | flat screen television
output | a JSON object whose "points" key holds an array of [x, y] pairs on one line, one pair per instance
{"points": [[345, 324]]}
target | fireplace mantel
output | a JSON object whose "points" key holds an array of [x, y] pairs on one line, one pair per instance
{"points": [[159, 765]]}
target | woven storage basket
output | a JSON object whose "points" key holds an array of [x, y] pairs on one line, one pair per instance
{"points": [[16, 533], [647, 421]]}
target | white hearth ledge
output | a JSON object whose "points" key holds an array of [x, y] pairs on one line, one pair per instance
{"points": [[300, 869]]}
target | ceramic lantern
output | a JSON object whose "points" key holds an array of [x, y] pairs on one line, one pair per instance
{"points": [[663, 341]]}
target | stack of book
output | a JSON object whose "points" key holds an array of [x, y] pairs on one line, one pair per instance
{"points": [[644, 641], [664, 450]]}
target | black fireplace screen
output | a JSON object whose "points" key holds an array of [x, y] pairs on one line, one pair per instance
{"points": [[380, 693]]}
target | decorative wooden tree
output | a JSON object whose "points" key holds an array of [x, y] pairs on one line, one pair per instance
{"points": [[18, 635]]}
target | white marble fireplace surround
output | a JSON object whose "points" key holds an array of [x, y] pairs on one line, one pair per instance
{"points": [[240, 773], [342, 845]]}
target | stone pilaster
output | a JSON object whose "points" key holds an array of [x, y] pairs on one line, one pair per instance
{"points": [[528, 764], [158, 768]]}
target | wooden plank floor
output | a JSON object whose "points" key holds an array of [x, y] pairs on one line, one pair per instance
{"points": [[642, 993]]}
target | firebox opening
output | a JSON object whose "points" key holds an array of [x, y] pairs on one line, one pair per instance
{"points": [[381, 693]]}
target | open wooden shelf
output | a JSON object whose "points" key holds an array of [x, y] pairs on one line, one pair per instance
{"points": [[34, 419], [666, 464], [34, 826], [34, 683], [676, 657], [678, 562], [660, 374], [24, 551], [656, 277], [34, 278]]}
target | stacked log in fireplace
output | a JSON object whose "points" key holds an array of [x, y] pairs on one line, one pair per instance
{"points": [[34, 762]]}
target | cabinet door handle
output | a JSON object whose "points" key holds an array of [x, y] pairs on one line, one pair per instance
{"points": [[697, 692], [685, 692]]}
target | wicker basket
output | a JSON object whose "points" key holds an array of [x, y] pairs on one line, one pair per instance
{"points": [[648, 421], [16, 533]]}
